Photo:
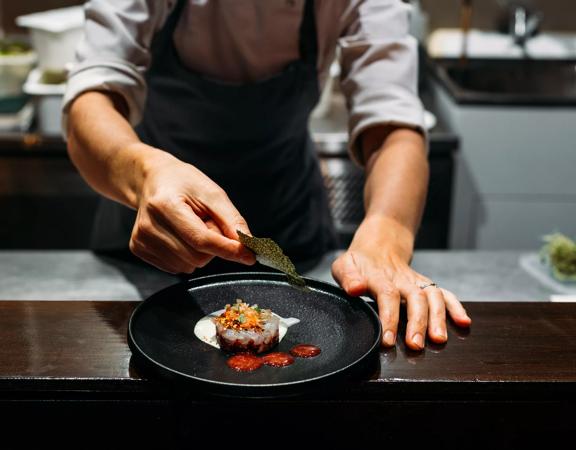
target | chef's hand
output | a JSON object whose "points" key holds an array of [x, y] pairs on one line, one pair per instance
{"points": [[377, 265], [185, 219]]}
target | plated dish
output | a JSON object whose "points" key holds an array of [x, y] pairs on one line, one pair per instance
{"points": [[246, 332], [246, 328], [329, 336]]}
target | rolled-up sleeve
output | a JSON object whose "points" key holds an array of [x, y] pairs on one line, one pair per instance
{"points": [[114, 52], [379, 61]]}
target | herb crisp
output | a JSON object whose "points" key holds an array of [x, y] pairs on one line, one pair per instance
{"points": [[270, 254]]}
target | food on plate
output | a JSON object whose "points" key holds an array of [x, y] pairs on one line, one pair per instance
{"points": [[245, 328], [244, 362], [205, 328], [305, 351], [248, 362], [270, 254], [248, 330], [277, 359]]}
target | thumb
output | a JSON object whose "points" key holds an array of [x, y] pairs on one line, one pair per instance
{"points": [[225, 220], [348, 274], [228, 218]]}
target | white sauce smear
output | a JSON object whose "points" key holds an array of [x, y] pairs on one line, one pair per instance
{"points": [[205, 329]]}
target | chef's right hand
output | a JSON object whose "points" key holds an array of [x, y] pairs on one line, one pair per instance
{"points": [[185, 219]]}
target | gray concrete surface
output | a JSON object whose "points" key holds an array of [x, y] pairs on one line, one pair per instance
{"points": [[81, 275]]}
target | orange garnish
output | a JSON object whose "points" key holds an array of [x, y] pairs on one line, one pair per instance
{"points": [[242, 316]]}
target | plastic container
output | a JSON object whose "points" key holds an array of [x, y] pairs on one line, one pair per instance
{"points": [[54, 35], [48, 102]]}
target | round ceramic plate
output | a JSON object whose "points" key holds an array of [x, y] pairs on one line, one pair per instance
{"points": [[161, 334]]}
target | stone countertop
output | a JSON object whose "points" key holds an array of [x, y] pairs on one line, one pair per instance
{"points": [[81, 275]]}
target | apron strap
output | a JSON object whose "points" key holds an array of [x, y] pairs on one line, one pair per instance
{"points": [[308, 35], [162, 39]]}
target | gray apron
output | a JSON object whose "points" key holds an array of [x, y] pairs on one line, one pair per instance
{"points": [[251, 139]]}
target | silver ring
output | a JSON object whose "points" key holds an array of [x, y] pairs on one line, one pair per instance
{"points": [[424, 286]]}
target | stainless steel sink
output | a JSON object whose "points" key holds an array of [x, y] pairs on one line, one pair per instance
{"points": [[508, 82]]}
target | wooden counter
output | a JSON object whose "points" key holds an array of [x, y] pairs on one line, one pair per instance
{"points": [[512, 377]]}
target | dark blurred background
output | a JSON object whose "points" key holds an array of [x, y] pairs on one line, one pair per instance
{"points": [[560, 14]]}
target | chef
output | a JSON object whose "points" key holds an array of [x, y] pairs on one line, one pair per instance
{"points": [[191, 119]]}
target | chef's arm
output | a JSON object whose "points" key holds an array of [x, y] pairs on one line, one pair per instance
{"points": [[106, 150], [183, 220], [396, 184]]}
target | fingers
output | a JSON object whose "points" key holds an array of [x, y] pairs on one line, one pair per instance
{"points": [[417, 308], [157, 245], [348, 274], [247, 256], [226, 216], [166, 265], [456, 310], [347, 271], [167, 254], [211, 225], [389, 312], [436, 315], [436, 301], [426, 308], [202, 237]]}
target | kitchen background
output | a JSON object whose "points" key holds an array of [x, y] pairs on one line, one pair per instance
{"points": [[560, 14], [501, 137]]}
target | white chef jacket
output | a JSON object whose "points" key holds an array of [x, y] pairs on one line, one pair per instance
{"points": [[240, 41]]}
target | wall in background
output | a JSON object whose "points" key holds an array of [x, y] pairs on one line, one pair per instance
{"points": [[559, 15]]}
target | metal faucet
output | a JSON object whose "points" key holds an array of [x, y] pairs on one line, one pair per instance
{"points": [[465, 25], [523, 24]]}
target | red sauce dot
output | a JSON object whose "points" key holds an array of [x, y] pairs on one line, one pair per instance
{"points": [[244, 362], [305, 351], [278, 359]]}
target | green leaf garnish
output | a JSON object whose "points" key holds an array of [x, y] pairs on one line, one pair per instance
{"points": [[559, 252]]}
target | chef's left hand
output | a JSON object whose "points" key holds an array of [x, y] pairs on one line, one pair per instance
{"points": [[377, 264]]}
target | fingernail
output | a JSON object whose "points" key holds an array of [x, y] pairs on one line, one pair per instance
{"points": [[389, 338], [352, 286], [246, 255], [248, 260], [440, 332], [418, 340]]}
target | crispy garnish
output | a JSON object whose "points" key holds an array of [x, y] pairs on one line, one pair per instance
{"points": [[270, 254], [242, 316]]}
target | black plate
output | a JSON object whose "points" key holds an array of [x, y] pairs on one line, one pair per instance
{"points": [[161, 333]]}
